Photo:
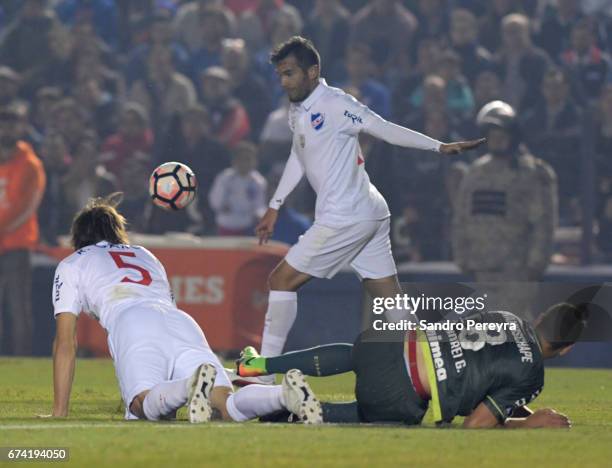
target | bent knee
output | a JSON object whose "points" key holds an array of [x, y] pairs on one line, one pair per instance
{"points": [[280, 280]]}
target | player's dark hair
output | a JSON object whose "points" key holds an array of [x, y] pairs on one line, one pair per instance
{"points": [[562, 324], [99, 221], [302, 49]]}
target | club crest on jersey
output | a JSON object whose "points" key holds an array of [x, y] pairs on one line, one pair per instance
{"points": [[302, 140], [317, 120]]}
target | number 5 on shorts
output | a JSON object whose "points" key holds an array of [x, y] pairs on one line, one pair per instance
{"points": [[146, 276]]}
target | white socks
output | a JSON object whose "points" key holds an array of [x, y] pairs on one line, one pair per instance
{"points": [[165, 398], [255, 400], [282, 311]]}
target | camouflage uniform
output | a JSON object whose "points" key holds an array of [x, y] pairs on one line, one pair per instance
{"points": [[503, 227]]}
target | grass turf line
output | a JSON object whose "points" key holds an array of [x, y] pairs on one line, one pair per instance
{"points": [[97, 435]]}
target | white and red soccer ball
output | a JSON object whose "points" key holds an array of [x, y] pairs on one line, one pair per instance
{"points": [[172, 186]]}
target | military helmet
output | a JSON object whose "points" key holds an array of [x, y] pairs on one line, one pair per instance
{"points": [[497, 114]]}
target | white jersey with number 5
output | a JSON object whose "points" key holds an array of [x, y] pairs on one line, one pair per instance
{"points": [[105, 279]]}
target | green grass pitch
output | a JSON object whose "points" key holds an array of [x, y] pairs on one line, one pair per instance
{"points": [[96, 434]]}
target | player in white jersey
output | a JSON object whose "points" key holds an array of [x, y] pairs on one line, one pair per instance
{"points": [[161, 356], [351, 224]]}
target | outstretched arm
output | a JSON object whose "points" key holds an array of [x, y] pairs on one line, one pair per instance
{"points": [[64, 357], [357, 117], [483, 418]]}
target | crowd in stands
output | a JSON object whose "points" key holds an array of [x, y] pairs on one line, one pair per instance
{"points": [[106, 90]]}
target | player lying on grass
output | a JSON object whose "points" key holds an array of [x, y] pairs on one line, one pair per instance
{"points": [[487, 377], [161, 356]]}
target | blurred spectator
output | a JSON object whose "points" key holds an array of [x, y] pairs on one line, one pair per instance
{"points": [[432, 16], [99, 104], [458, 92], [159, 32], [87, 43], [215, 27], [487, 87], [523, 65], [188, 24], [58, 69], [405, 234], [91, 66], [557, 24], [552, 129], [458, 98], [434, 94], [46, 99], [491, 21], [230, 121], [69, 119], [164, 92], [328, 26], [22, 184], [134, 15], [283, 25], [276, 136], [238, 194], [241, 6], [25, 44], [427, 59], [256, 26], [360, 70], [388, 27], [190, 141], [134, 136], [101, 14], [248, 87], [426, 210], [136, 204], [86, 178], [53, 215], [587, 64], [464, 41], [25, 130]]}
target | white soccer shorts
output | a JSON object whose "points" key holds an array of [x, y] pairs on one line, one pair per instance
{"points": [[322, 251], [154, 344]]}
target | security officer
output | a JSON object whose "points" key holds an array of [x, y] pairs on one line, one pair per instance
{"points": [[505, 214]]}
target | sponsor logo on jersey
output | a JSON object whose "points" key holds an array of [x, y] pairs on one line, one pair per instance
{"points": [[436, 354], [58, 285], [354, 117], [317, 120]]}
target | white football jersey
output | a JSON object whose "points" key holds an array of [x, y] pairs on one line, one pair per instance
{"points": [[325, 148], [104, 279]]}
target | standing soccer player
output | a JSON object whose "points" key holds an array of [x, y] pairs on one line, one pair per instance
{"points": [[351, 217], [162, 359]]}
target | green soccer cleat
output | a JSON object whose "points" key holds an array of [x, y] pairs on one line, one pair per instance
{"points": [[250, 364]]}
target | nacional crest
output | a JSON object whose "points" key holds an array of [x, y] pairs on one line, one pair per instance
{"points": [[317, 120], [302, 141]]}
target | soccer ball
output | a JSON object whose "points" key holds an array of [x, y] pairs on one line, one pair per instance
{"points": [[172, 186]]}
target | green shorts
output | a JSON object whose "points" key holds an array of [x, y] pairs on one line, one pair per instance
{"points": [[383, 387]]}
